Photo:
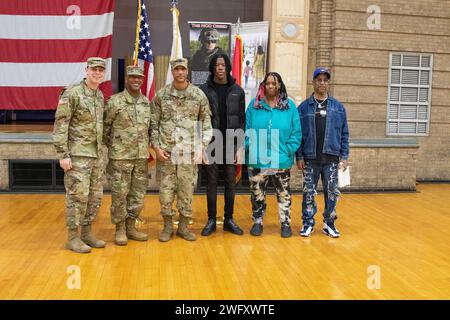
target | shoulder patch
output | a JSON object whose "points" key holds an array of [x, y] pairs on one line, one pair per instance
{"points": [[63, 100], [63, 90]]}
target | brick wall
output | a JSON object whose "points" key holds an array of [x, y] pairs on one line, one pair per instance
{"points": [[377, 166], [359, 59]]}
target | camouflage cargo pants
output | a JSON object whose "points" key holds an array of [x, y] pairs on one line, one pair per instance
{"points": [[128, 181], [258, 187], [176, 180], [84, 190]]}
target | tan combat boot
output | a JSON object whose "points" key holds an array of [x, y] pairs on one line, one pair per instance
{"points": [[121, 234], [168, 229], [88, 238], [133, 233], [183, 230], [74, 242]]}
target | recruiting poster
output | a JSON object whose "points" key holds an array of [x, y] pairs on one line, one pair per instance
{"points": [[205, 40], [255, 37]]}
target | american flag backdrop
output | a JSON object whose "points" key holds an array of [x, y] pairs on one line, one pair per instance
{"points": [[144, 50], [44, 45]]}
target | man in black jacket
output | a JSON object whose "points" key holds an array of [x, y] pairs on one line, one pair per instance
{"points": [[227, 102]]}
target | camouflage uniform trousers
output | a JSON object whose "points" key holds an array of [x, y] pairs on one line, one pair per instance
{"points": [[84, 190], [128, 181], [258, 187], [176, 180]]}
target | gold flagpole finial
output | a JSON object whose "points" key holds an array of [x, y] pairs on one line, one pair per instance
{"points": [[136, 44]]}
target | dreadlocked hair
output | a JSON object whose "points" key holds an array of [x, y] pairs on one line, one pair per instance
{"points": [[282, 97]]}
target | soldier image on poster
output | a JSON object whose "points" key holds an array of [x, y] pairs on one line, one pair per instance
{"points": [[206, 40]]}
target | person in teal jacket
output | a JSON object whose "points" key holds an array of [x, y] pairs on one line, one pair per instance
{"points": [[273, 135]]}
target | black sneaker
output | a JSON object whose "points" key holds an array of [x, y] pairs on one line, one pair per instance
{"points": [[286, 231], [330, 230], [210, 227], [306, 230], [230, 226], [257, 229]]}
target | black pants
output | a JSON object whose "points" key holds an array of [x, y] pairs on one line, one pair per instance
{"points": [[212, 173]]}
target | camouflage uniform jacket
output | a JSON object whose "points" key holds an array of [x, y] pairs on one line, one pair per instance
{"points": [[176, 113], [126, 127], [78, 124]]}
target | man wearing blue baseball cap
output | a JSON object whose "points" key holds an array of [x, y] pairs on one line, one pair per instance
{"points": [[324, 149]]}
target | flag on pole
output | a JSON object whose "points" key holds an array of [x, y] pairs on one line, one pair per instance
{"points": [[238, 58], [143, 57], [143, 54], [236, 72], [177, 50], [44, 46]]}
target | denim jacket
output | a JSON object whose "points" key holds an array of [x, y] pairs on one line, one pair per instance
{"points": [[336, 131]]}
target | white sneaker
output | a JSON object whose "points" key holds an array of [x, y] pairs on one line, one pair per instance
{"points": [[306, 231], [330, 230]]}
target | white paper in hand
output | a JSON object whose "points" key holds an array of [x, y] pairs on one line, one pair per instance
{"points": [[344, 177]]}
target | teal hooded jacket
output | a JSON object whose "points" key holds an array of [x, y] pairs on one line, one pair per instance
{"points": [[272, 135]]}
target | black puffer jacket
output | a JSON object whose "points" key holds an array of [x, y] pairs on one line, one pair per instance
{"points": [[235, 104]]}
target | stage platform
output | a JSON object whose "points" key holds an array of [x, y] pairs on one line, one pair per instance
{"points": [[378, 164], [28, 127], [26, 150]]}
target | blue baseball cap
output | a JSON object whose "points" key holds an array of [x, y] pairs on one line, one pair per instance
{"points": [[321, 70]]}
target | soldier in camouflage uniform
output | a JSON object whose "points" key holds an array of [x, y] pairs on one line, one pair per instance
{"points": [[126, 134], [77, 137], [179, 111]]}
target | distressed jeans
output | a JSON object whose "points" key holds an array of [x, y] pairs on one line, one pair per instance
{"points": [[329, 173], [258, 187]]}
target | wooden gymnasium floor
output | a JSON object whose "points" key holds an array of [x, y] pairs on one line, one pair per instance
{"points": [[405, 235]]}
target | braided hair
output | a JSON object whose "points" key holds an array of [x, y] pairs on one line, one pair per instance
{"points": [[282, 97]]}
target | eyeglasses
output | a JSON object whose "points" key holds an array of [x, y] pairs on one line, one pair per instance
{"points": [[211, 41]]}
